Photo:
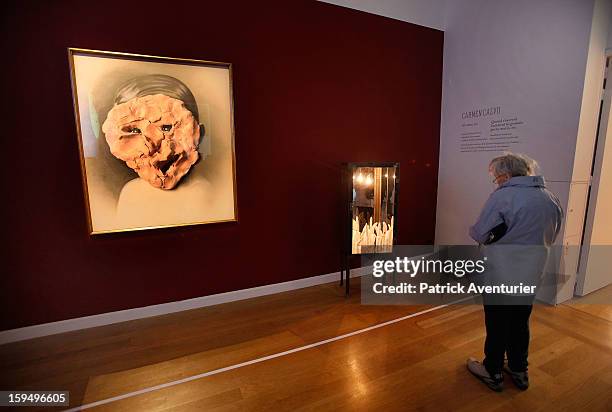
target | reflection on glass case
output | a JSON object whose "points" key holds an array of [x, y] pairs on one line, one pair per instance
{"points": [[373, 206]]}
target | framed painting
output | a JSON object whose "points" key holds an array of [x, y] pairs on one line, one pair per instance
{"points": [[156, 137]]}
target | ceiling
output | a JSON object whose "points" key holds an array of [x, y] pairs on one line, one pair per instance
{"points": [[428, 13]]}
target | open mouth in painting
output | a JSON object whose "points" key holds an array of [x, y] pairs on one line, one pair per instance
{"points": [[165, 165]]}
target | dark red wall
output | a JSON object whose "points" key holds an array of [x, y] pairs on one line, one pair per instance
{"points": [[315, 85]]}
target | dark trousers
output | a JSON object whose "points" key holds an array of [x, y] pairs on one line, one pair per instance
{"points": [[507, 333]]}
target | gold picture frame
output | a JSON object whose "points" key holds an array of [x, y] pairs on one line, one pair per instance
{"points": [[200, 196]]}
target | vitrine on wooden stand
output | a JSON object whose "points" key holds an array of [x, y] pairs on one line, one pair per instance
{"points": [[370, 217]]}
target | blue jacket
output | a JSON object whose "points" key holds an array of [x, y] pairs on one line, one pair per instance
{"points": [[531, 212], [533, 217]]}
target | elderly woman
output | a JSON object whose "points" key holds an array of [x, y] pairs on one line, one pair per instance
{"points": [[518, 223]]}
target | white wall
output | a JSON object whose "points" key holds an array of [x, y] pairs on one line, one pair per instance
{"points": [[527, 57]]}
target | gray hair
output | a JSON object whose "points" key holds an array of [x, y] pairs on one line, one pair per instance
{"points": [[513, 164], [157, 84]]}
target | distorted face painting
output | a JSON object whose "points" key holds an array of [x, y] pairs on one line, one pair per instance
{"points": [[156, 138], [155, 135]]}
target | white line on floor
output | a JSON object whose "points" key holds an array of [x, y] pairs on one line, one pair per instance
{"points": [[258, 360]]}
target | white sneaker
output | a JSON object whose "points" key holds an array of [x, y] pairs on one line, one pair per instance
{"points": [[495, 382]]}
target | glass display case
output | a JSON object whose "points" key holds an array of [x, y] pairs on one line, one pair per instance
{"points": [[373, 207], [371, 217]]}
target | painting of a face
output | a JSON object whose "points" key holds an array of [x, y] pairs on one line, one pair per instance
{"points": [[156, 136], [156, 139]]}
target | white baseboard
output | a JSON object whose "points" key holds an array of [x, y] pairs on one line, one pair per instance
{"points": [[52, 328]]}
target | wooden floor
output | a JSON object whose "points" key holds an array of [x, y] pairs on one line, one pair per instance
{"points": [[415, 364]]}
